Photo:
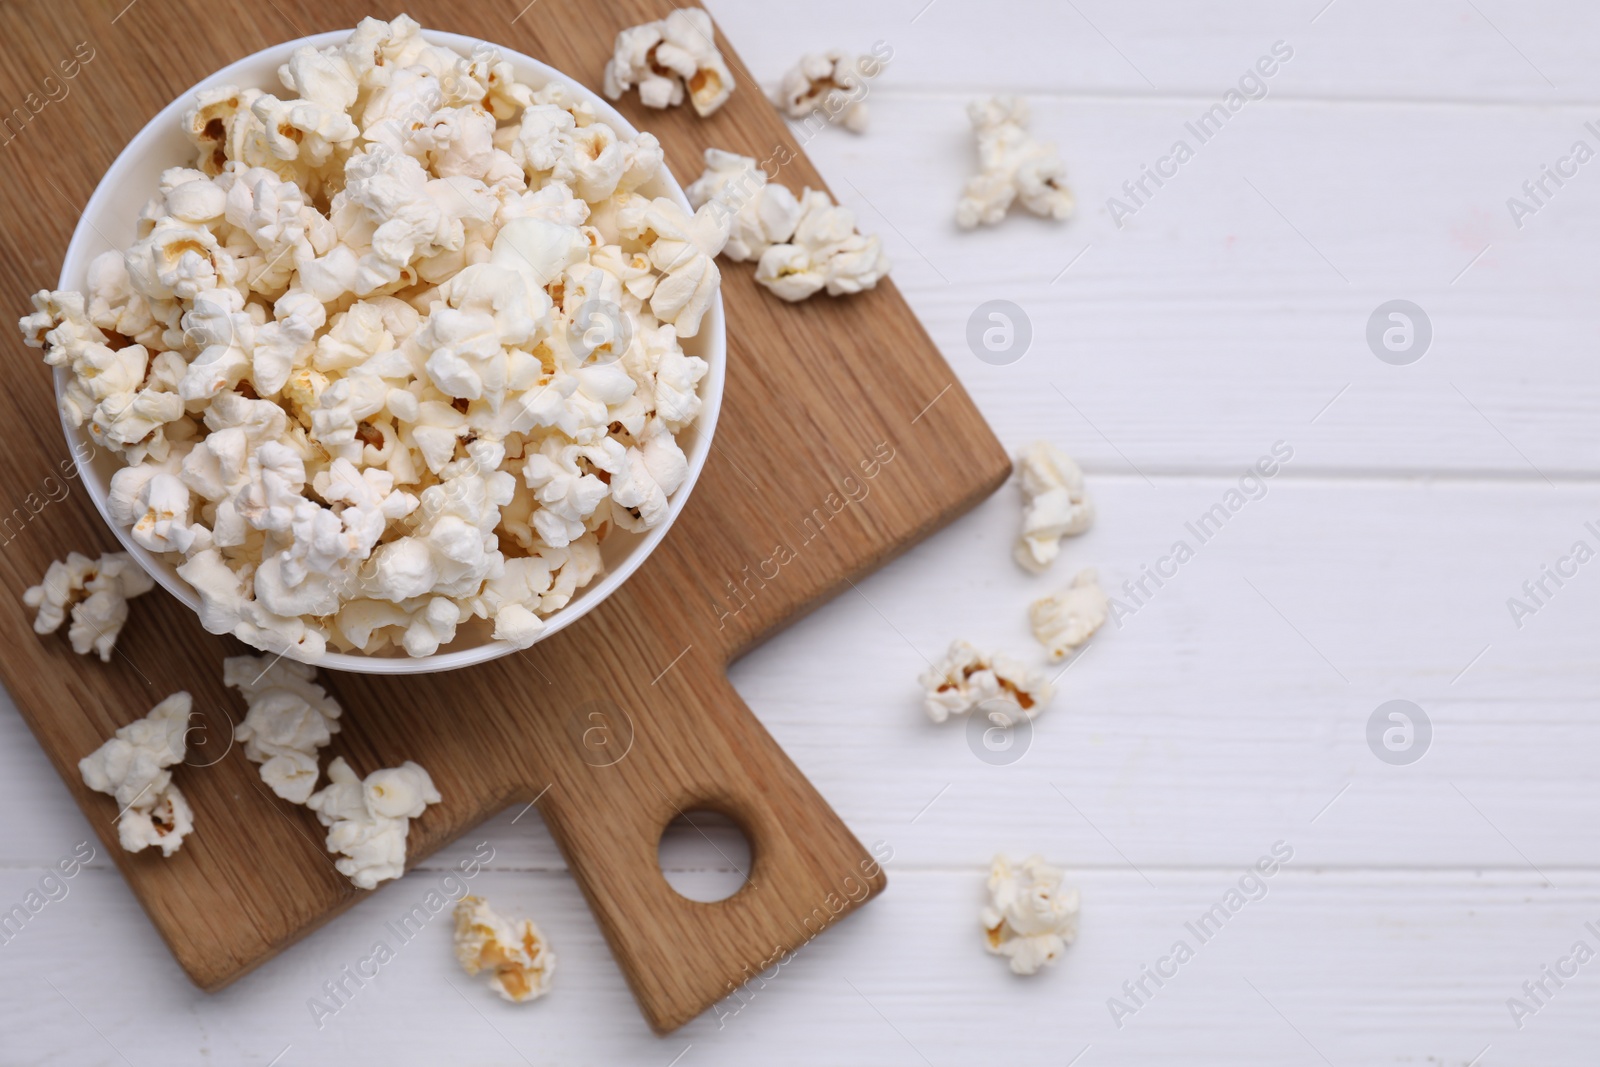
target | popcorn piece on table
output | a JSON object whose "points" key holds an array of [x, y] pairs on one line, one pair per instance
{"points": [[97, 591], [667, 57], [803, 245], [1029, 919], [132, 768], [829, 84], [1011, 166], [368, 819], [1065, 621], [1056, 504], [998, 686], [515, 953], [289, 717], [351, 362]]}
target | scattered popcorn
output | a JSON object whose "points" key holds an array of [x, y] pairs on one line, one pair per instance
{"points": [[96, 591], [397, 351], [759, 214], [829, 84], [1056, 504], [289, 717], [668, 57], [802, 245], [131, 768], [966, 680], [368, 819], [1029, 918], [519, 962], [1065, 621], [1011, 166]]}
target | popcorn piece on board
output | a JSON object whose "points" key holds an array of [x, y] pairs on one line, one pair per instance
{"points": [[998, 686], [514, 953], [668, 57], [368, 819], [825, 252], [132, 769], [1011, 166], [388, 361], [1056, 505], [97, 591], [289, 717], [829, 85], [1065, 621], [761, 213], [1029, 919], [803, 246]]}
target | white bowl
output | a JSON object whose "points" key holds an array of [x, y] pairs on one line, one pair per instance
{"points": [[108, 223]]}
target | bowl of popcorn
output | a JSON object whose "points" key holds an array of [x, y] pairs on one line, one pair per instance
{"points": [[388, 350]]}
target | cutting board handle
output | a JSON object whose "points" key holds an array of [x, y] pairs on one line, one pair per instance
{"points": [[687, 743]]}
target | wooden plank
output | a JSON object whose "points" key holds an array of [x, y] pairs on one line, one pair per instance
{"points": [[1409, 50], [1207, 323], [1243, 726], [1372, 967], [813, 392]]}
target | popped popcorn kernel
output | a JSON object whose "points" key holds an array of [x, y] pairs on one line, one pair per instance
{"points": [[97, 594], [519, 962], [802, 245], [1012, 167], [1066, 620], [132, 767], [967, 680], [829, 84], [1029, 919], [669, 59], [289, 717], [368, 819], [1056, 505]]}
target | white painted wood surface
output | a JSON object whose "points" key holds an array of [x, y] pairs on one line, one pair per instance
{"points": [[1230, 711]]}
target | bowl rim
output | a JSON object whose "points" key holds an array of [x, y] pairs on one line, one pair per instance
{"points": [[248, 71]]}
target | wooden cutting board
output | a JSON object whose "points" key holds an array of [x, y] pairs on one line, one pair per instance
{"points": [[844, 438]]}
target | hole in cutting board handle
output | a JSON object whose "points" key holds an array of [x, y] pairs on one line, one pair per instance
{"points": [[704, 855]]}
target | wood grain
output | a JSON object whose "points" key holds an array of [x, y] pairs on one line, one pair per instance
{"points": [[814, 392]]}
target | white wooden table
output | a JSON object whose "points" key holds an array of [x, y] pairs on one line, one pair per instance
{"points": [[1230, 710]]}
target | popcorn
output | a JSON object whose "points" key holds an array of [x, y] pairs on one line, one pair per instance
{"points": [[683, 249], [666, 58], [395, 350], [132, 769], [1056, 504], [303, 129], [164, 824], [648, 474], [829, 84], [1011, 166], [223, 127], [519, 962], [96, 591], [1029, 918], [1065, 621], [760, 214], [289, 717], [967, 680], [803, 246], [368, 819], [124, 396], [824, 252]]}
